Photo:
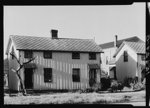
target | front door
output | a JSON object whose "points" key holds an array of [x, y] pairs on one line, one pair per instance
{"points": [[28, 74], [92, 77]]}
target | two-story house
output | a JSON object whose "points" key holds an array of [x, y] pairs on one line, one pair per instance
{"points": [[60, 63], [130, 61], [109, 49]]}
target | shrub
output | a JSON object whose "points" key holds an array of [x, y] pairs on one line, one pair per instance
{"points": [[128, 82], [120, 86], [114, 86], [138, 86], [96, 87], [133, 83], [105, 83]]}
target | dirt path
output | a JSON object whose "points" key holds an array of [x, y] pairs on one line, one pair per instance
{"points": [[135, 103]]}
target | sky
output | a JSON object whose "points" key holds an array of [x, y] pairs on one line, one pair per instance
{"points": [[99, 22]]}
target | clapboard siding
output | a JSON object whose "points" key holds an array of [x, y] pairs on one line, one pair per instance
{"points": [[13, 80], [62, 65]]}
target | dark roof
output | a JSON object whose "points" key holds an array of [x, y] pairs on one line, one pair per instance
{"points": [[139, 48], [112, 68], [59, 44], [119, 42]]}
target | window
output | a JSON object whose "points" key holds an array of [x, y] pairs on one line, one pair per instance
{"points": [[28, 54], [47, 74], [143, 57], [47, 54], [125, 56], [75, 55], [76, 75], [92, 56]]}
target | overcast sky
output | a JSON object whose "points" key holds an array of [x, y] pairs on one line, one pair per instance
{"points": [[85, 22]]}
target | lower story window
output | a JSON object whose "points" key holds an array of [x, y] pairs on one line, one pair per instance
{"points": [[76, 75], [47, 74]]}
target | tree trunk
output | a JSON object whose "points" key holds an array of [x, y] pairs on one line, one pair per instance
{"points": [[22, 84]]}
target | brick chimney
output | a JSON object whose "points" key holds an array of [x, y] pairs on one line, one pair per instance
{"points": [[54, 34], [115, 41]]}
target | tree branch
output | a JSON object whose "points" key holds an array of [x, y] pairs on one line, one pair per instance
{"points": [[29, 61], [15, 58]]}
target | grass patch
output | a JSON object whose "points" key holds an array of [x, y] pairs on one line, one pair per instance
{"points": [[75, 98]]}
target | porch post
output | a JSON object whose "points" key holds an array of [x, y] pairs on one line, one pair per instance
{"points": [[98, 75]]}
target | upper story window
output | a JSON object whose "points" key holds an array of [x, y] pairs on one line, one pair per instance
{"points": [[47, 74], [76, 75], [75, 55], [28, 54], [125, 56], [143, 57], [92, 56], [47, 54]]}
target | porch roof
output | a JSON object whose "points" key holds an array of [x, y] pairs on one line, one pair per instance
{"points": [[30, 65], [94, 66]]}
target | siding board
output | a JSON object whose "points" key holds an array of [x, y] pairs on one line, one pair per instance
{"points": [[62, 65]]}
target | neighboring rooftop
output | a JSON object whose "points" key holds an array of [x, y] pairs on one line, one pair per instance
{"points": [[58, 44], [138, 47], [119, 42]]}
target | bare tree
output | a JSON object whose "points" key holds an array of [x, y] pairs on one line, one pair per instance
{"points": [[21, 65]]}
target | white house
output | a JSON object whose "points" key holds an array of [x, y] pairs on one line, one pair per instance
{"points": [[60, 63], [130, 60], [109, 49]]}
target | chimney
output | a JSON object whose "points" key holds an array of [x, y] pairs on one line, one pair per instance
{"points": [[115, 41], [54, 34]]}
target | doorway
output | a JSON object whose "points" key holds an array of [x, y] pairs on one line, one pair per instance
{"points": [[92, 77], [28, 78]]}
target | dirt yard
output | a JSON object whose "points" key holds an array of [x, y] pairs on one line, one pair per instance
{"points": [[76, 98]]}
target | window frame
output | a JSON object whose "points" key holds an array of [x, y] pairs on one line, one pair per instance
{"points": [[45, 53], [143, 57], [125, 54], [76, 77], [27, 54], [92, 56], [48, 79], [74, 55]]}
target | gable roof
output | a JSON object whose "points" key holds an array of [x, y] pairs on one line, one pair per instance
{"points": [[119, 42], [137, 47], [59, 44]]}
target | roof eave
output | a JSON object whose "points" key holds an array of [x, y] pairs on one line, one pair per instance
{"points": [[60, 50], [141, 53]]}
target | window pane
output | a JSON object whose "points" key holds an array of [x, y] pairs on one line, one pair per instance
{"points": [[47, 74], [47, 54], [75, 55], [92, 56], [28, 54], [125, 56], [76, 75]]}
